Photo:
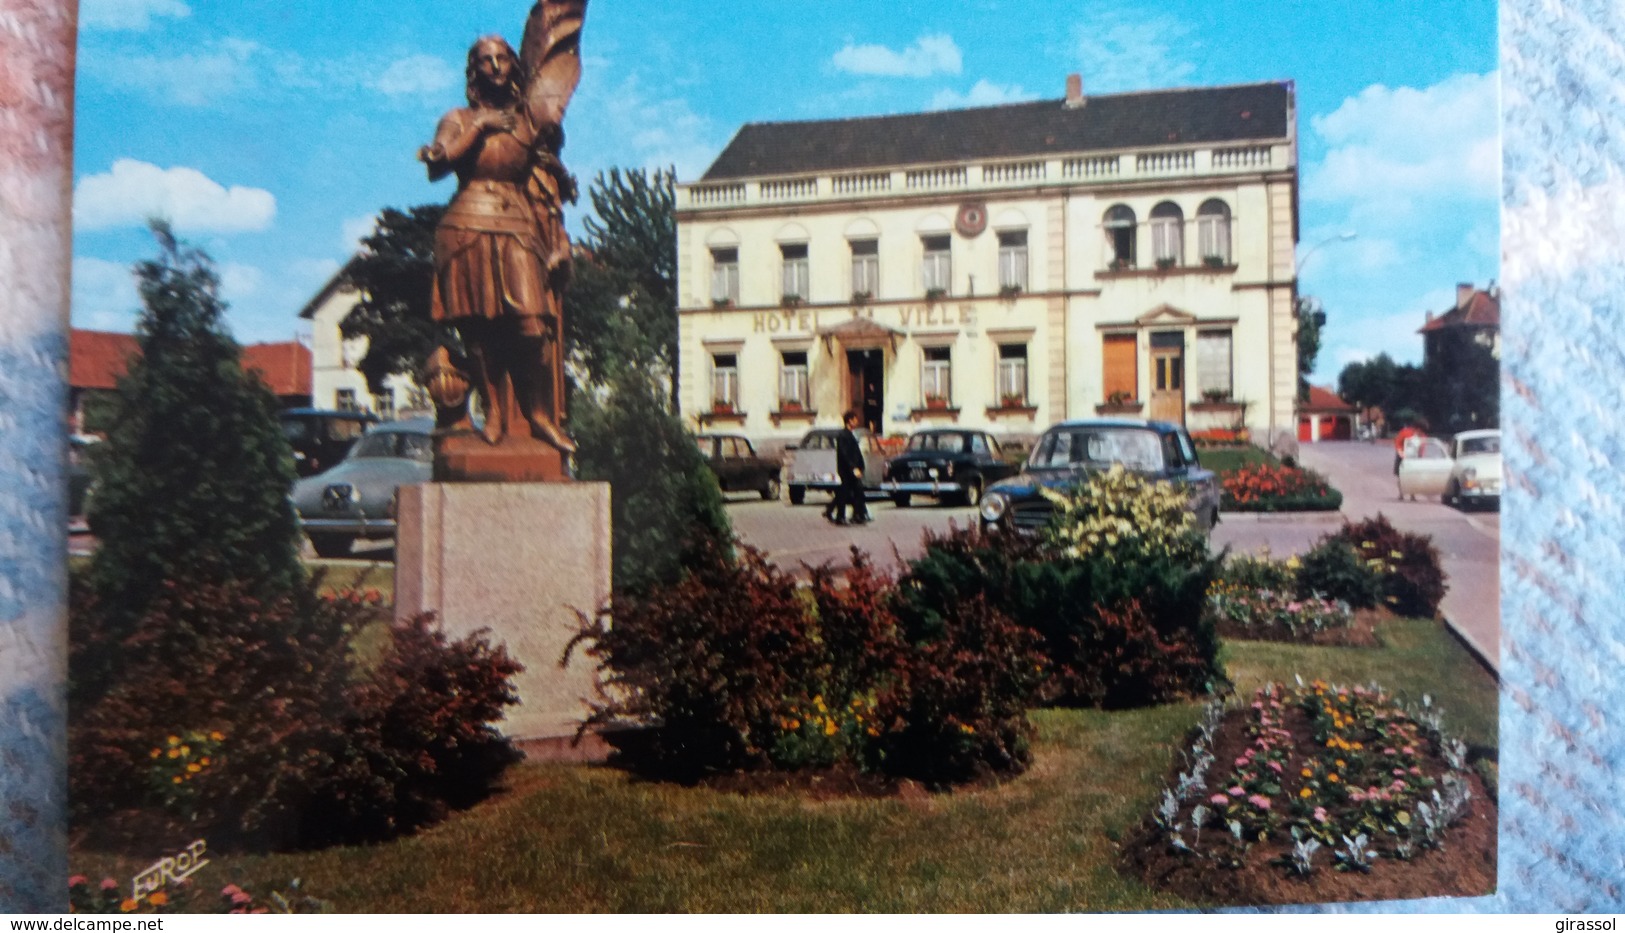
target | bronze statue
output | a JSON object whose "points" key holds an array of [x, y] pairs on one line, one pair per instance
{"points": [[502, 257]]}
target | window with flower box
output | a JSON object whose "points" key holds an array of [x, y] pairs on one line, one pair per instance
{"points": [[793, 395], [1213, 232], [725, 276], [865, 268], [1168, 235], [1012, 261], [724, 382], [936, 377], [1012, 375], [795, 273], [1213, 365]]}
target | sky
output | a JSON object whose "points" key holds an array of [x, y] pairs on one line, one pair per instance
{"points": [[271, 132]]}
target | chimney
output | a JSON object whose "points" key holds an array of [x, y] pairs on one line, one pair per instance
{"points": [[1464, 293], [1074, 91]]}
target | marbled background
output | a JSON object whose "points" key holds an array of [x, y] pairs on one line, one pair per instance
{"points": [[1563, 246]]}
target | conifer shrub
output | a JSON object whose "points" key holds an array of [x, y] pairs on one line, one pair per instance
{"points": [[1334, 569]]}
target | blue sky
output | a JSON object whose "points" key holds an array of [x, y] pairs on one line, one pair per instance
{"points": [[271, 132]]}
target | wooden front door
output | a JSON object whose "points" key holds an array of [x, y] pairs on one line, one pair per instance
{"points": [[1168, 377], [865, 371]]}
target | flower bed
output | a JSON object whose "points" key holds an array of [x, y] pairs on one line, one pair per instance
{"points": [[1269, 615], [1266, 488], [1222, 437], [1314, 793]]}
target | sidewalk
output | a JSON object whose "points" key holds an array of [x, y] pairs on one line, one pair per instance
{"points": [[1469, 542]]}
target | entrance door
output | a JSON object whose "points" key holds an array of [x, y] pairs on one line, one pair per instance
{"points": [[1168, 377], [866, 386]]}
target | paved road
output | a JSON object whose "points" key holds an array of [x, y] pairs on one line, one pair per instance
{"points": [[1468, 542]]}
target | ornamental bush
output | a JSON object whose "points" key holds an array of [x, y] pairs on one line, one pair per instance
{"points": [[1122, 517], [1407, 565], [1333, 569]]}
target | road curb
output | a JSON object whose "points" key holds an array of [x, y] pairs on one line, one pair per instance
{"points": [[1311, 518], [1479, 654]]}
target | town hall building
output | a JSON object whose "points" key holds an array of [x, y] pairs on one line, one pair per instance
{"points": [[1001, 267]]}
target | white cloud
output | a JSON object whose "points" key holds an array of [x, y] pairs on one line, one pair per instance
{"points": [[352, 229], [1394, 144], [630, 126], [929, 55], [128, 14], [192, 79], [239, 281], [104, 295], [983, 93], [1122, 51], [132, 191], [416, 75]]}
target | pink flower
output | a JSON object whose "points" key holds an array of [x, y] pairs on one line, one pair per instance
{"points": [[1259, 801], [1410, 749], [1237, 792], [1357, 795], [77, 880], [1388, 751], [230, 890], [108, 884], [1241, 762], [241, 897], [1320, 814], [1275, 766], [1218, 800], [1415, 770], [1399, 772], [1258, 704]]}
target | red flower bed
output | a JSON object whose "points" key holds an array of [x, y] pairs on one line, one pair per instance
{"points": [[1222, 437], [1265, 488]]}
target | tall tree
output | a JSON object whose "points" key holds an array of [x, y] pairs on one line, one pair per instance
{"points": [[1311, 318], [627, 312], [1380, 382], [195, 473], [1461, 382], [393, 274]]}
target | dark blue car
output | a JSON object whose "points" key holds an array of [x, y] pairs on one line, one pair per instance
{"points": [[1070, 450]]}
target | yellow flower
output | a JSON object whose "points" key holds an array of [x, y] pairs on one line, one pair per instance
{"points": [[1333, 778], [194, 767], [175, 780], [174, 753], [204, 761], [1340, 763], [159, 899], [965, 728], [795, 724], [1308, 773], [1304, 793], [1359, 745], [217, 736], [186, 749], [154, 754], [174, 740], [829, 727]]}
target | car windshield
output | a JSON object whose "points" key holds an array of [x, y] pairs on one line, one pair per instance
{"points": [[1085, 446], [946, 443], [394, 444], [1480, 445]]}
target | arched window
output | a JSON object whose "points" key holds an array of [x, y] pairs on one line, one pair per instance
{"points": [[1119, 227], [1168, 234], [1213, 232]]}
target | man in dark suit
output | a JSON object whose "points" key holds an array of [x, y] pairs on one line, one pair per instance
{"points": [[849, 466]]}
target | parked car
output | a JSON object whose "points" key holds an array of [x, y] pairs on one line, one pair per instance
{"points": [[1069, 451], [356, 499], [1465, 470], [812, 463], [321, 438], [733, 459], [948, 464]]}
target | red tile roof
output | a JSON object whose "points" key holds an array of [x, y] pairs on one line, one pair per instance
{"points": [[1482, 309], [1324, 400], [96, 360]]}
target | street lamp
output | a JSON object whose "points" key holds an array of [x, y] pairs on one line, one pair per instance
{"points": [[1304, 259]]}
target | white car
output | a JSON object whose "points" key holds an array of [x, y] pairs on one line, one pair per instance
{"points": [[1466, 470]]}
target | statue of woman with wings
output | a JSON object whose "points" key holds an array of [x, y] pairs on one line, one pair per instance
{"points": [[502, 258]]}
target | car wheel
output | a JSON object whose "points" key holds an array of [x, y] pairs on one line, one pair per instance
{"points": [[771, 490], [798, 495], [902, 499], [972, 496], [331, 545]]}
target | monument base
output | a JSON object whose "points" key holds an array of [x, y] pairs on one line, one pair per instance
{"points": [[519, 559], [465, 457]]}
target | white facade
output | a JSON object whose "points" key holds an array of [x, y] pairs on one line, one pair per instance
{"points": [[336, 383], [1004, 293]]}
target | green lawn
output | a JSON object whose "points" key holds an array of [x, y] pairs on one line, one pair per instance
{"points": [[583, 838], [1220, 459]]}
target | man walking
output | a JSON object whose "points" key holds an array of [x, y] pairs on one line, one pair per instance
{"points": [[849, 466]]}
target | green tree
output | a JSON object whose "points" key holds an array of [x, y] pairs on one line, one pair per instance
{"points": [[1460, 382], [194, 476], [624, 300], [1311, 318], [394, 275], [1379, 382]]}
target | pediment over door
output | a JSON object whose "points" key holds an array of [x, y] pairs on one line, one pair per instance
{"points": [[1165, 316]]}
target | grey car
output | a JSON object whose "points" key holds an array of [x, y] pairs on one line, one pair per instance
{"points": [[356, 499], [1070, 450]]}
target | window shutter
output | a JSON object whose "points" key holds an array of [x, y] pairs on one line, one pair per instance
{"points": [[1121, 374]]}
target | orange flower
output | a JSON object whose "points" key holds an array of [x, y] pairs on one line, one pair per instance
{"points": [[159, 899], [128, 904]]}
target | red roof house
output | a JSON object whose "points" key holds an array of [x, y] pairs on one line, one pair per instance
{"points": [[1325, 417]]}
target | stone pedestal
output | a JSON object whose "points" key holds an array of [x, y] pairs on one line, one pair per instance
{"points": [[463, 457], [519, 559]]}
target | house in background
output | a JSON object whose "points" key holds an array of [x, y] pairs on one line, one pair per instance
{"points": [[1461, 362], [336, 383], [97, 359], [1475, 318], [1000, 267], [1326, 417]]}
